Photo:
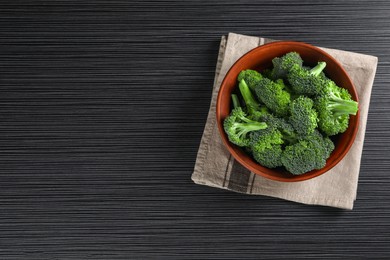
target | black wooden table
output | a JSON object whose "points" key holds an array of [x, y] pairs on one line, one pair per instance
{"points": [[102, 107]]}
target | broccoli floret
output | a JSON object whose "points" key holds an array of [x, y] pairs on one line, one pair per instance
{"points": [[289, 135], [300, 158], [328, 146], [263, 139], [321, 141], [270, 157], [267, 73], [308, 154], [283, 65], [334, 107], [251, 77], [287, 88], [254, 109], [266, 146], [321, 75], [237, 126], [257, 115], [274, 96], [303, 116], [306, 82]]}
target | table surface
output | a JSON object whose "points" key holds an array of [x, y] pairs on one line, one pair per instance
{"points": [[102, 107]]}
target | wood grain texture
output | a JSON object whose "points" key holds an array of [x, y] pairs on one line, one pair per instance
{"points": [[102, 107]]}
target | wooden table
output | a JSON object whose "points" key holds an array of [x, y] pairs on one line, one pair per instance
{"points": [[102, 107]]}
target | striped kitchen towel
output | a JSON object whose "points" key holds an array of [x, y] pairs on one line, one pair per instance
{"points": [[215, 166]]}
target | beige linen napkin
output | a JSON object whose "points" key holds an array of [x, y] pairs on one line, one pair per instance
{"points": [[215, 166]]}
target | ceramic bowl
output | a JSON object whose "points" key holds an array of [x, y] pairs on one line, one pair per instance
{"points": [[259, 59]]}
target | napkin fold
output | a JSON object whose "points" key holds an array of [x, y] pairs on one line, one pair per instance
{"points": [[215, 166]]}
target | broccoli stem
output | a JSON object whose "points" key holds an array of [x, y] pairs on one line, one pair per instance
{"points": [[340, 106], [244, 128], [289, 137], [343, 107], [318, 69], [249, 127], [249, 99], [236, 102], [252, 122]]}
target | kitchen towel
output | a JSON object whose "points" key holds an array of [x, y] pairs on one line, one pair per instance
{"points": [[215, 166]]}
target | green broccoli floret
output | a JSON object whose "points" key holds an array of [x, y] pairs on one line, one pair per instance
{"points": [[287, 88], [251, 77], [263, 139], [267, 73], [321, 141], [308, 154], [253, 107], [237, 126], [266, 146], [274, 96], [306, 82], [258, 114], [270, 157], [299, 158], [289, 135], [321, 75], [334, 106], [303, 116], [283, 65]]}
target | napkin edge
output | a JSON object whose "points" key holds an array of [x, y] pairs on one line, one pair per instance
{"points": [[201, 156]]}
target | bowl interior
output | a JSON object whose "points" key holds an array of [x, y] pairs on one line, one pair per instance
{"points": [[259, 59]]}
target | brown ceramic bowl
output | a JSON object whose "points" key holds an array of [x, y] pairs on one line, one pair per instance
{"points": [[260, 58]]}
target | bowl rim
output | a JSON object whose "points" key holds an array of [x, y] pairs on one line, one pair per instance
{"points": [[294, 178]]}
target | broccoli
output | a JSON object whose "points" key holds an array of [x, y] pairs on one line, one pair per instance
{"points": [[308, 154], [262, 139], [306, 82], [334, 106], [283, 65], [285, 87], [266, 146], [303, 116], [236, 101], [300, 158], [288, 114], [237, 126], [274, 96], [251, 77], [321, 75], [322, 141], [270, 157], [289, 134], [253, 107], [267, 73]]}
